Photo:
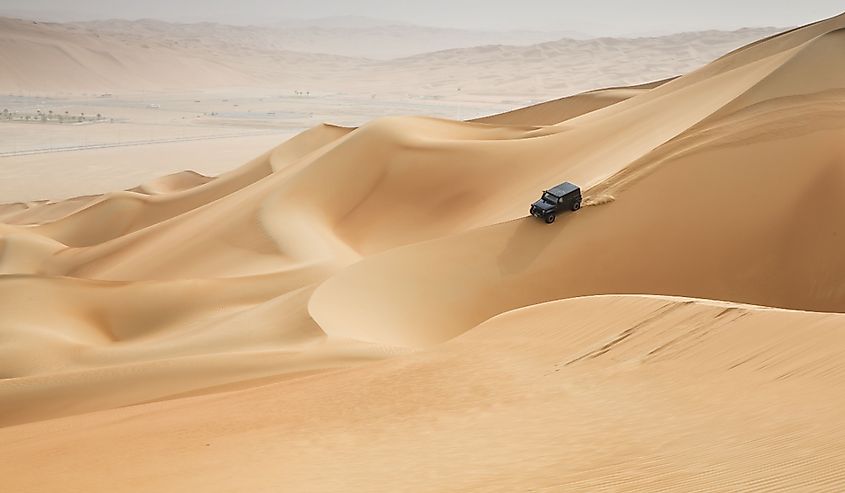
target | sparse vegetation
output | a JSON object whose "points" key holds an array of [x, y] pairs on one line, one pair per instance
{"points": [[50, 117]]}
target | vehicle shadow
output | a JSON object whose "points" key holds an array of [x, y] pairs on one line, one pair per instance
{"points": [[530, 238]]}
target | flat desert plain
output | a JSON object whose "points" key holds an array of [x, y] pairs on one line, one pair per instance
{"points": [[368, 307]]}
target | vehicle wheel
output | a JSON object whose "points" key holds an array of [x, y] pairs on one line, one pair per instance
{"points": [[550, 218], [576, 206]]}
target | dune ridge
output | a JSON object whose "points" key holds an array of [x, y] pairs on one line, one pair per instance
{"points": [[361, 306]]}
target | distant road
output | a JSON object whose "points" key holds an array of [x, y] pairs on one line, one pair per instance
{"points": [[27, 152]]}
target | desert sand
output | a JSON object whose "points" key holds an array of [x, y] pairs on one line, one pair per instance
{"points": [[368, 308]]}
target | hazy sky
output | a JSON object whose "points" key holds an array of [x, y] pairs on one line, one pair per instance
{"points": [[591, 16]]}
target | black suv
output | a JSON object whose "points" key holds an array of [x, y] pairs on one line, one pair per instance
{"points": [[563, 197]]}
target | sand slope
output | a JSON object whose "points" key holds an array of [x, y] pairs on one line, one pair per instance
{"points": [[607, 393], [560, 110], [239, 317]]}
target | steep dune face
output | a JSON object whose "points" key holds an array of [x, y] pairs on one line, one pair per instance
{"points": [[790, 80], [409, 235], [684, 230]]}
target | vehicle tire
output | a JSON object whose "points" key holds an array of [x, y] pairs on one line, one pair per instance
{"points": [[550, 218], [576, 206]]}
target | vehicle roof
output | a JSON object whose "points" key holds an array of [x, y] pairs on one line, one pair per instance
{"points": [[563, 189]]}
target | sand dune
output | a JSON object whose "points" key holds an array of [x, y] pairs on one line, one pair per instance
{"points": [[360, 307], [350, 37], [560, 110], [175, 182], [152, 56], [598, 393], [50, 58]]}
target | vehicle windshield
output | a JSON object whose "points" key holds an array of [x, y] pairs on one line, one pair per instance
{"points": [[549, 198]]}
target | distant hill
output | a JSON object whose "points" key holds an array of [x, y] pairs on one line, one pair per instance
{"points": [[338, 21], [568, 66], [343, 36], [150, 55]]}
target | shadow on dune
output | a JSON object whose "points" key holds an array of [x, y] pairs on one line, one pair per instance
{"points": [[518, 254]]}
